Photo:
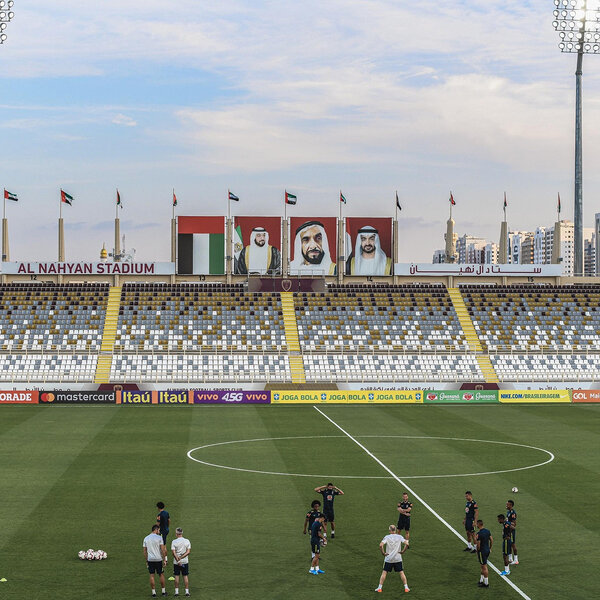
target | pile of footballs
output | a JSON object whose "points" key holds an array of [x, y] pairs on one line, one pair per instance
{"points": [[92, 554]]}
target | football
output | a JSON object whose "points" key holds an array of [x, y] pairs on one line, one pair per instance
{"points": [[515, 490], [81, 554], [324, 542]]}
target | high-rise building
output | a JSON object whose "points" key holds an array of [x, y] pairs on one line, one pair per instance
{"points": [[597, 234], [516, 240], [589, 254], [439, 257], [470, 249], [563, 246], [492, 253]]}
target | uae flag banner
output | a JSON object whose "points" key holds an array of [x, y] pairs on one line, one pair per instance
{"points": [[201, 245], [10, 196], [66, 198], [290, 198]]}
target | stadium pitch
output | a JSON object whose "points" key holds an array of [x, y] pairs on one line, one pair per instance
{"points": [[240, 479]]}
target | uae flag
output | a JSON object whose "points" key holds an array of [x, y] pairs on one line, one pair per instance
{"points": [[119, 203], [66, 198], [174, 199], [398, 202], [201, 245], [452, 200], [342, 198], [10, 196], [290, 198]]}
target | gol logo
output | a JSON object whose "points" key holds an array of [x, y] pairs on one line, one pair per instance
{"points": [[47, 397]]}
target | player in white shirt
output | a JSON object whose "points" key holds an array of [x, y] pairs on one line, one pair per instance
{"points": [[181, 548], [156, 557], [393, 546]]}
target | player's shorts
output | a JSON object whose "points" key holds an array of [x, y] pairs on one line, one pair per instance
{"points": [[315, 547], [469, 526], [181, 569], [388, 567], [155, 566], [329, 517], [164, 536], [404, 523], [482, 557], [506, 546]]}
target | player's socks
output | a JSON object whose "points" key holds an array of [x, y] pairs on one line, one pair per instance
{"points": [[481, 579], [187, 591], [485, 581], [177, 591]]}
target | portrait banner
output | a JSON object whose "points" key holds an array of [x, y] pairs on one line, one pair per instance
{"points": [[369, 246], [201, 245], [313, 246], [257, 245]]}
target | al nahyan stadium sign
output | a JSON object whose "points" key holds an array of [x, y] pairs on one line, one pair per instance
{"points": [[88, 268]]}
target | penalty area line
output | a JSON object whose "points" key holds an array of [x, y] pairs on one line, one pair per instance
{"points": [[429, 508]]}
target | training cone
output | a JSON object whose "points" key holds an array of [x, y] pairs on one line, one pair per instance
{"points": [[171, 578], [3, 580]]}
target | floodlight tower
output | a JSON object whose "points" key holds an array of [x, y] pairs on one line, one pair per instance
{"points": [[578, 24], [6, 15]]}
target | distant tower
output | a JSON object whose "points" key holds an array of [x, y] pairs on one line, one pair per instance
{"points": [[503, 254], [450, 241], [103, 254]]}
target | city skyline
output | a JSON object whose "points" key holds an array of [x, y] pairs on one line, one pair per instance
{"points": [[206, 99]]}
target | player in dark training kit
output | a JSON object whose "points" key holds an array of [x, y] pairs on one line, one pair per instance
{"points": [[163, 520], [506, 541], [511, 515], [404, 508], [329, 492], [312, 514], [471, 516], [316, 537], [484, 542]]}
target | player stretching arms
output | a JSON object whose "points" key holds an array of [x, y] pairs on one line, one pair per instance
{"points": [[471, 516], [404, 508], [329, 492], [312, 514], [511, 515]]}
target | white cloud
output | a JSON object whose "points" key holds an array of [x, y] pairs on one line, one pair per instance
{"points": [[121, 119]]}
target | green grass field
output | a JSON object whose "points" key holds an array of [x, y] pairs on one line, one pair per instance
{"points": [[75, 477]]}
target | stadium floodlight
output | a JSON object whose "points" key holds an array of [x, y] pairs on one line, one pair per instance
{"points": [[578, 26], [6, 16]]}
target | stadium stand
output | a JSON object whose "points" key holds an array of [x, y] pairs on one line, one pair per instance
{"points": [[391, 367], [527, 318], [401, 318], [190, 333]]}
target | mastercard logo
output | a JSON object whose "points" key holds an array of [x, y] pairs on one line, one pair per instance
{"points": [[47, 397]]}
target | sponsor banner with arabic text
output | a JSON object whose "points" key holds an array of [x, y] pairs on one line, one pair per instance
{"points": [[19, 397], [534, 396], [228, 397], [455, 396], [347, 396], [585, 395]]}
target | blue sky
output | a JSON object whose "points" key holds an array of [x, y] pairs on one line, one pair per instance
{"points": [[368, 96]]}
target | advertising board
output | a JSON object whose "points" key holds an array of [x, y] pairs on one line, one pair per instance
{"points": [[459, 396], [347, 397], [78, 397], [533, 396], [585, 395], [19, 397], [226, 397]]}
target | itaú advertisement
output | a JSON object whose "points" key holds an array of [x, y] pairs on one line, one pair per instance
{"points": [[17, 397], [533, 396], [138, 398], [346, 397], [586, 395]]}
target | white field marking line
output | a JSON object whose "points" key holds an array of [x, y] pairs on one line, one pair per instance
{"points": [[431, 510], [410, 437]]}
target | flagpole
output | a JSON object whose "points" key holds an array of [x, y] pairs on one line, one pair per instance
{"points": [[504, 206], [173, 203], [450, 204]]}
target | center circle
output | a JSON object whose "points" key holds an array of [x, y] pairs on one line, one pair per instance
{"points": [[550, 456]]}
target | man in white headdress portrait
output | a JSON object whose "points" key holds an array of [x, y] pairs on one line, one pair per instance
{"points": [[259, 256], [368, 258], [311, 251]]}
